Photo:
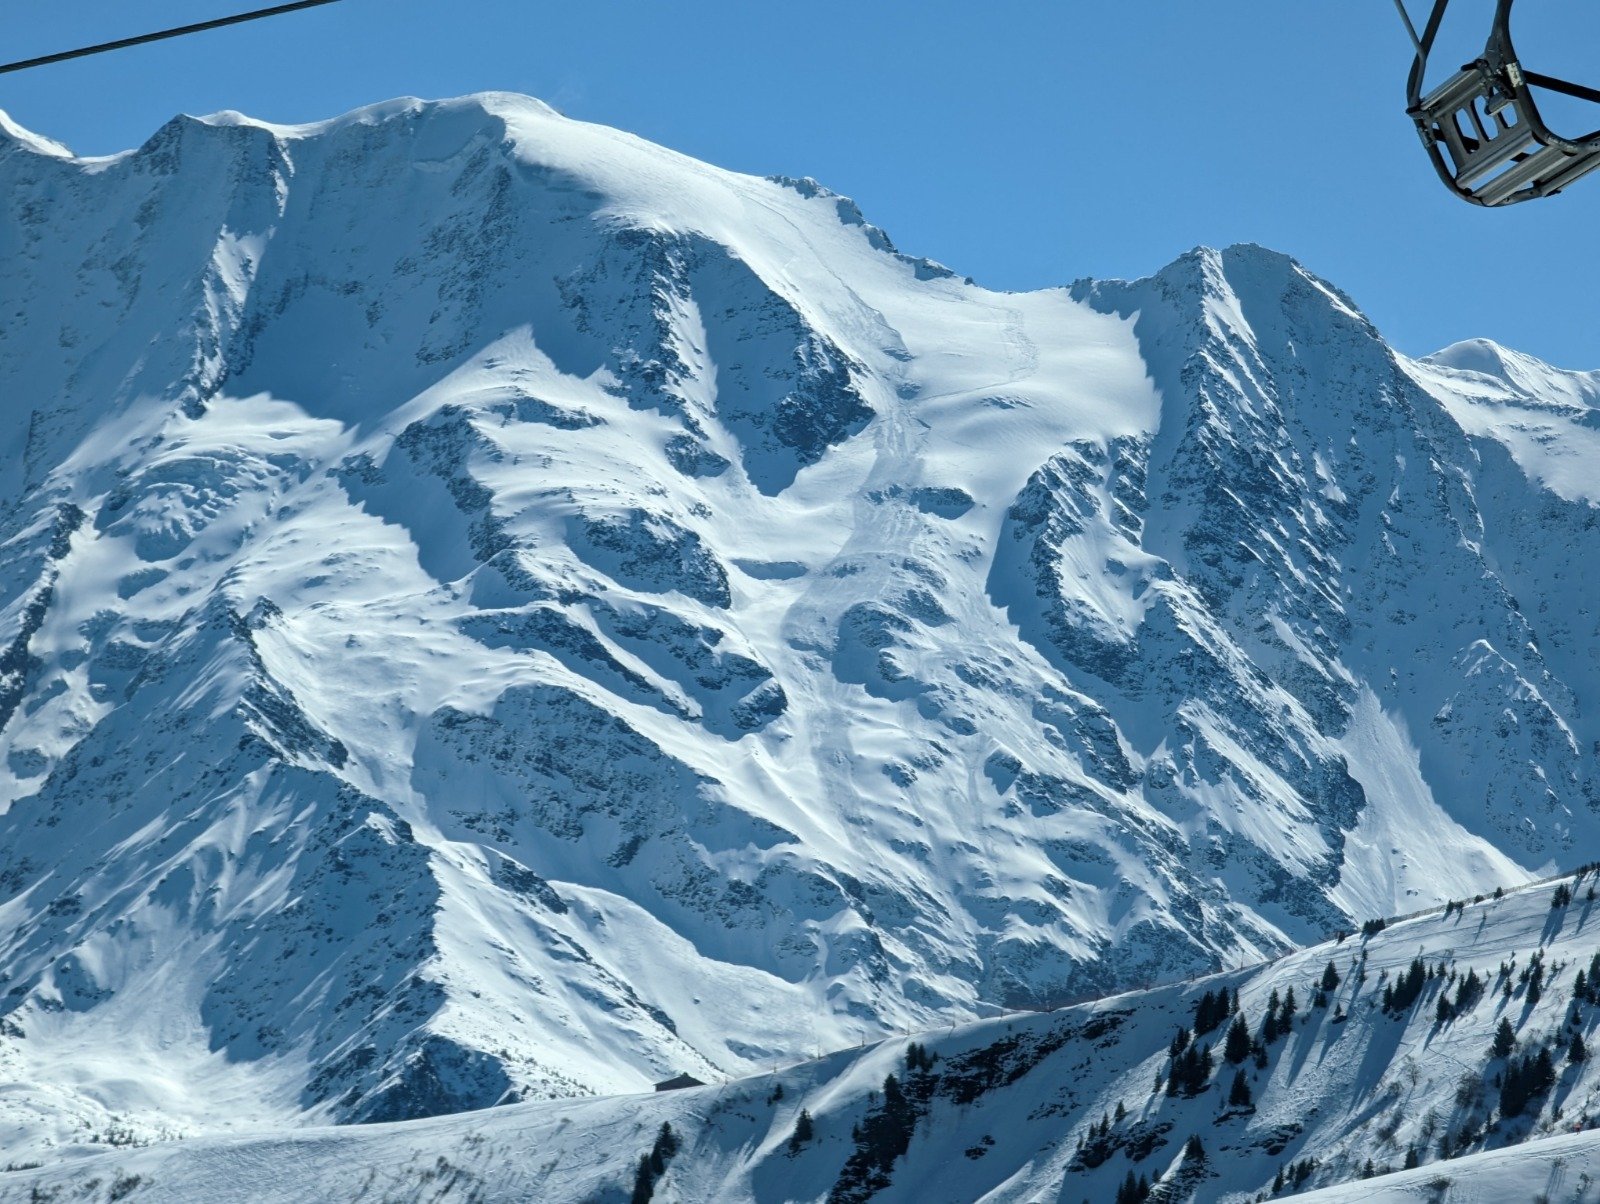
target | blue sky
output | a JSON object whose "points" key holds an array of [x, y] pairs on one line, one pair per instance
{"points": [[1024, 143]]}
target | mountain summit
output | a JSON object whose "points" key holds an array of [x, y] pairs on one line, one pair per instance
{"points": [[494, 609]]}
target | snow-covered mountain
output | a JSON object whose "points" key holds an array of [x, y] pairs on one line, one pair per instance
{"points": [[1357, 1076], [492, 609]]}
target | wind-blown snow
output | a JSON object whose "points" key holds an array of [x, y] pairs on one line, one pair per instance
{"points": [[492, 609]]}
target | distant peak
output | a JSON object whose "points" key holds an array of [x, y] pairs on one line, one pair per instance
{"points": [[1483, 356], [1522, 373], [482, 110], [1228, 270], [1244, 277], [1254, 254], [14, 135], [1251, 266], [471, 113], [477, 107]]}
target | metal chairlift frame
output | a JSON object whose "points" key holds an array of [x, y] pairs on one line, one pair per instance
{"points": [[1482, 126]]}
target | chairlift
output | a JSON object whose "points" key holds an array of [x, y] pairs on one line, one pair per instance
{"points": [[1482, 127]]}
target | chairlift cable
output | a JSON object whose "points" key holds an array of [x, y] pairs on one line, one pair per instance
{"points": [[178, 32]]}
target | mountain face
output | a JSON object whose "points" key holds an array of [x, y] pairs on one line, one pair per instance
{"points": [[491, 609]]}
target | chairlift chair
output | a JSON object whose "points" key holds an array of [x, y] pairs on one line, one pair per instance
{"points": [[1482, 127]]}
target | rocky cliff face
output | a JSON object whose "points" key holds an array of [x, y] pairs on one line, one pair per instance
{"points": [[490, 609]]}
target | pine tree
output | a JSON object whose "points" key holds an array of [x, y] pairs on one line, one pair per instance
{"points": [[1215, 1011], [1543, 1074], [1526, 1079], [665, 1147], [1236, 1046], [1178, 1076], [1406, 988], [644, 1182], [1189, 1071], [1504, 1040], [1204, 1006], [1577, 1052], [1330, 978], [895, 1104], [1411, 1157], [1239, 1094], [804, 1131], [1133, 1191], [1271, 1029], [1193, 1151]]}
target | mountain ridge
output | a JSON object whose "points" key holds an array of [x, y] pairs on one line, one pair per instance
{"points": [[512, 612]]}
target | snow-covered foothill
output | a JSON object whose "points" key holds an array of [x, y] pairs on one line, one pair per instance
{"points": [[1343, 1076]]}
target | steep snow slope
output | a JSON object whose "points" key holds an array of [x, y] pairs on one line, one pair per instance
{"points": [[1059, 1106], [493, 609], [1560, 1170]]}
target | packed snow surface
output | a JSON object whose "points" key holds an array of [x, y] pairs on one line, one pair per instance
{"points": [[494, 610]]}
